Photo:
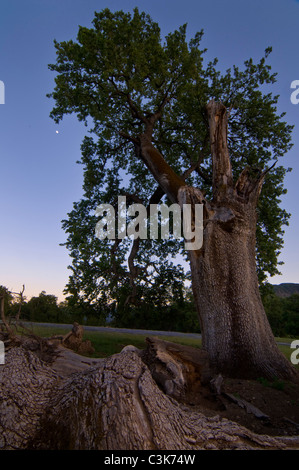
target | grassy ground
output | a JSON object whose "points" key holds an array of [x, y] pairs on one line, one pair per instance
{"points": [[106, 344]]}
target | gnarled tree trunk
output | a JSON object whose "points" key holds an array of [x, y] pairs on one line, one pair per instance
{"points": [[111, 404], [235, 329]]}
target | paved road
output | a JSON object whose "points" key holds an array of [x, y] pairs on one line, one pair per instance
{"points": [[131, 331], [108, 329]]}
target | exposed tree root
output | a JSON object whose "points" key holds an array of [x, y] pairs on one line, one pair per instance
{"points": [[75, 402]]}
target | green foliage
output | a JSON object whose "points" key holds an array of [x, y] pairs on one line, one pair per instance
{"points": [[8, 299], [291, 315], [43, 308], [116, 74], [174, 316], [283, 314], [157, 311]]}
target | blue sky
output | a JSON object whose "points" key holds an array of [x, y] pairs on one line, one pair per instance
{"points": [[39, 177]]}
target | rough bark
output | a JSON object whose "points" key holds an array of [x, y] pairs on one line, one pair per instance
{"points": [[235, 329], [222, 170], [110, 404], [74, 340]]}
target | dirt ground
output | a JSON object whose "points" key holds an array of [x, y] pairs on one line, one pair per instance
{"points": [[264, 407], [276, 405]]}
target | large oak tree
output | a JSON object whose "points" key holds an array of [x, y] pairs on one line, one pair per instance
{"points": [[162, 118]]}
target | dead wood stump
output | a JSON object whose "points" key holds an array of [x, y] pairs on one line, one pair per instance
{"points": [[111, 404]]}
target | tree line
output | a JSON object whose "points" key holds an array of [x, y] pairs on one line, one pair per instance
{"points": [[178, 314]]}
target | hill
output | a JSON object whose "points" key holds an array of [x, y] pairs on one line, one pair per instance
{"points": [[286, 289]]}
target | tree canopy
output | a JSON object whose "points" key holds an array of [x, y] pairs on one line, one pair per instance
{"points": [[121, 79]]}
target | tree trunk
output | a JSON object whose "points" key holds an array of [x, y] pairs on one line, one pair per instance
{"points": [[112, 404], [235, 330]]}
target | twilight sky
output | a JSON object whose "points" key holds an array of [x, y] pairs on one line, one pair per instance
{"points": [[39, 177]]}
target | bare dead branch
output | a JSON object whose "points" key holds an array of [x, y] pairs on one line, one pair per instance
{"points": [[3, 318], [20, 304], [222, 170]]}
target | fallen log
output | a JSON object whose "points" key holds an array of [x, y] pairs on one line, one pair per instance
{"points": [[108, 404]]}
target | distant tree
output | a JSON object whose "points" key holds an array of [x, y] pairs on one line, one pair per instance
{"points": [[165, 125], [83, 311], [43, 308], [8, 299], [274, 310], [291, 315]]}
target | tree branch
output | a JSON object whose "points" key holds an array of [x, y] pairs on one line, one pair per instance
{"points": [[165, 176], [222, 170], [8, 328], [128, 137], [249, 185]]}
